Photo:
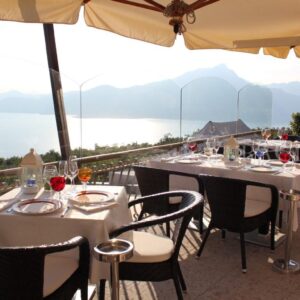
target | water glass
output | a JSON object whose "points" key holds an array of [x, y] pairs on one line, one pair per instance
{"points": [[49, 172]]}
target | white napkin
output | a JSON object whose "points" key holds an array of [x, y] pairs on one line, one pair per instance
{"points": [[9, 198], [94, 208]]}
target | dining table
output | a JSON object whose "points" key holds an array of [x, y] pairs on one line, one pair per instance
{"points": [[263, 171], [36, 227]]}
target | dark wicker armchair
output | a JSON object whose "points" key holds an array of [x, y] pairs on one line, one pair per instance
{"points": [[152, 181], [41, 272], [231, 209], [155, 257]]}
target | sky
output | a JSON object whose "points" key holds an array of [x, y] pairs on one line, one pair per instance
{"points": [[89, 56]]}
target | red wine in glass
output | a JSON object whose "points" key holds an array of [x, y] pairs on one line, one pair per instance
{"points": [[284, 136], [193, 146], [58, 184], [284, 157]]}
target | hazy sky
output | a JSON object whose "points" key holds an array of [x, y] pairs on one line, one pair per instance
{"points": [[85, 52]]}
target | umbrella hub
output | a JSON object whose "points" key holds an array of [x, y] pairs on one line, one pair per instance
{"points": [[176, 10]]}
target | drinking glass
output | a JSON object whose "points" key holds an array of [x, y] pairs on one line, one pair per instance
{"points": [[58, 184], [192, 145], [72, 170], [284, 155], [293, 153], [49, 172], [266, 133], [260, 149], [84, 175], [63, 168], [283, 134]]}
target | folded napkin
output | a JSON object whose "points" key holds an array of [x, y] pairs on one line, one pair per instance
{"points": [[9, 198], [7, 203], [91, 208]]}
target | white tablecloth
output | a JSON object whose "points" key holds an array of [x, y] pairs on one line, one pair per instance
{"points": [[284, 181], [22, 230]]}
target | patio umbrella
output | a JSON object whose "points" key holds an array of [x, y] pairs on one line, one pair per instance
{"points": [[239, 25]]}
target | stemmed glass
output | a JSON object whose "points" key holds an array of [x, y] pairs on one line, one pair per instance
{"points": [[284, 155], [49, 172], [283, 134], [84, 175], [266, 133], [192, 145], [260, 149], [72, 170], [58, 182]]}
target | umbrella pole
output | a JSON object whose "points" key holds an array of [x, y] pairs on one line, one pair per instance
{"points": [[57, 93]]}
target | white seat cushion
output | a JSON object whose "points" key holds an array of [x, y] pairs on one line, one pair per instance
{"points": [[149, 248], [57, 270], [258, 200], [254, 208]]}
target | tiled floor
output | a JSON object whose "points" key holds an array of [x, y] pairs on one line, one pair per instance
{"points": [[217, 274]]}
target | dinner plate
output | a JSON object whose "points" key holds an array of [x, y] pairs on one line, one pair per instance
{"points": [[262, 169], [278, 163], [37, 207], [91, 197]]}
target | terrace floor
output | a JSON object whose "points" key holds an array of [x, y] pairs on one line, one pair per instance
{"points": [[217, 274]]}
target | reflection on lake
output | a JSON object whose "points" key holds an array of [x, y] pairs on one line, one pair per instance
{"points": [[20, 132]]}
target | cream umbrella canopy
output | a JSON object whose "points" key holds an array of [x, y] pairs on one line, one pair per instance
{"points": [[239, 25]]}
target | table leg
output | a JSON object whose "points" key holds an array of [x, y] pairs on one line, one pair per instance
{"points": [[286, 264]]}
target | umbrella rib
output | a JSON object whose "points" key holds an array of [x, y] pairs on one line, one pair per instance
{"points": [[155, 8], [201, 3]]}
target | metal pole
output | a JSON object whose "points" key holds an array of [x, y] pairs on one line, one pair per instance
{"points": [[57, 93], [114, 280], [287, 265]]}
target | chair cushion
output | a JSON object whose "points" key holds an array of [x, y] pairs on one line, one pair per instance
{"points": [[258, 200], [149, 248], [254, 208], [57, 270]]}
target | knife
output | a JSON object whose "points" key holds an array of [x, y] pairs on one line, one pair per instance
{"points": [[65, 211]]}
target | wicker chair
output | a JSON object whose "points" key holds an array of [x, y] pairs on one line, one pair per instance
{"points": [[232, 210], [155, 257], [41, 272], [152, 181]]}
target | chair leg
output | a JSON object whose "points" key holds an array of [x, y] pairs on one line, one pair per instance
{"points": [[280, 215], [204, 241], [223, 234], [101, 295], [84, 291], [177, 287], [201, 212], [181, 278], [272, 235], [243, 252]]}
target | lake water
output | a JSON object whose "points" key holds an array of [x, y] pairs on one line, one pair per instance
{"points": [[20, 132]]}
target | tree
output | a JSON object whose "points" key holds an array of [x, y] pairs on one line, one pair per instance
{"points": [[295, 123]]}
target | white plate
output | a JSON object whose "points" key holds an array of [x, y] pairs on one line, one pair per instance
{"points": [[37, 207], [91, 197], [263, 169]]}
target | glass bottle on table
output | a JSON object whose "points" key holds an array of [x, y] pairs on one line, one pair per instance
{"points": [[84, 175]]}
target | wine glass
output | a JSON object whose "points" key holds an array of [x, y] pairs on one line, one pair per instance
{"points": [[283, 134], [260, 149], [63, 168], [266, 133], [84, 175], [72, 170], [58, 184], [192, 145], [49, 172], [284, 155]]}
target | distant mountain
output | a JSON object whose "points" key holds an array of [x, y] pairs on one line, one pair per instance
{"points": [[207, 94]]}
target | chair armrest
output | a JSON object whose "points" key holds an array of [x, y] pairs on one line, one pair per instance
{"points": [[155, 219]]}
